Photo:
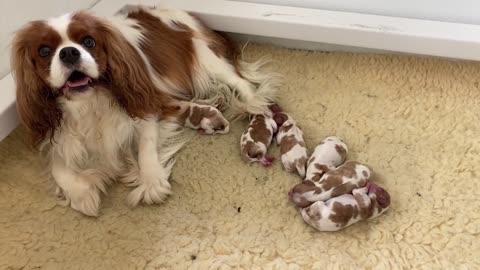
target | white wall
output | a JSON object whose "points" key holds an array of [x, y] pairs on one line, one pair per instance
{"points": [[460, 11]]}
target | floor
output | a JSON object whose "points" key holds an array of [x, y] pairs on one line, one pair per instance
{"points": [[413, 120]]}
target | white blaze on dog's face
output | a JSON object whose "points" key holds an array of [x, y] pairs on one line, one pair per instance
{"points": [[73, 67]]}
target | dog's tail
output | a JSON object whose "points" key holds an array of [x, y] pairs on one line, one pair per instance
{"points": [[265, 85], [255, 91]]}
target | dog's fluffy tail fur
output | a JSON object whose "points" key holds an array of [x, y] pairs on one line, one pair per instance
{"points": [[259, 92], [266, 84]]}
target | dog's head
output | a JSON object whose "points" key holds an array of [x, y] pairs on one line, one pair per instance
{"points": [[71, 57]]}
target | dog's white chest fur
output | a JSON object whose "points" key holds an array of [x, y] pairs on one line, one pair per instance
{"points": [[94, 133]]}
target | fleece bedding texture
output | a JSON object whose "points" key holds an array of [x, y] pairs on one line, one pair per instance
{"points": [[414, 121]]}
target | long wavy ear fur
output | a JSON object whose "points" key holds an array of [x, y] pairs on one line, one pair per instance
{"points": [[130, 81], [36, 103]]}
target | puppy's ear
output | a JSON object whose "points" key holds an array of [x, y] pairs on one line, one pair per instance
{"points": [[129, 77], [36, 103]]}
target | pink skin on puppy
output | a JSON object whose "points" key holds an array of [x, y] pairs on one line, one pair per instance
{"points": [[293, 151], [208, 120], [340, 212], [257, 138], [342, 180], [329, 154], [275, 108]]}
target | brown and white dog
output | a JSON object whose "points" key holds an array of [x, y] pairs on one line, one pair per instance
{"points": [[293, 151], [95, 92], [256, 139], [340, 212], [329, 154], [347, 177]]}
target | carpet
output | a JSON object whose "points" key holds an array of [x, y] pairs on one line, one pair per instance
{"points": [[413, 120]]}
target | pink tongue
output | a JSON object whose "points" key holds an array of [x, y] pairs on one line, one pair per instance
{"points": [[78, 83]]}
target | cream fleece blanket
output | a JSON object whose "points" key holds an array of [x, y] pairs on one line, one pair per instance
{"points": [[415, 121]]}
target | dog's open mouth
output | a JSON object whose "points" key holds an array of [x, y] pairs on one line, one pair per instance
{"points": [[77, 81]]}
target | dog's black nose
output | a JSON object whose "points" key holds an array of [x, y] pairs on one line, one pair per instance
{"points": [[69, 55]]}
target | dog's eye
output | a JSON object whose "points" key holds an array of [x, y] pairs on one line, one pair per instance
{"points": [[44, 51], [88, 42]]}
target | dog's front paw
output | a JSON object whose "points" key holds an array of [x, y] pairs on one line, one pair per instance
{"points": [[151, 189], [88, 203], [83, 197]]}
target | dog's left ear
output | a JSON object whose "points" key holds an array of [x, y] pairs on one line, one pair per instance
{"points": [[129, 77]]}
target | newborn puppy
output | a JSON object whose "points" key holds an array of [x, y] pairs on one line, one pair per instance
{"points": [[342, 211], [335, 182], [206, 119], [257, 138], [294, 153], [329, 154]]}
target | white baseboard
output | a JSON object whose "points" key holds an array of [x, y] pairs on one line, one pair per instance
{"points": [[393, 34], [316, 29], [243, 39]]}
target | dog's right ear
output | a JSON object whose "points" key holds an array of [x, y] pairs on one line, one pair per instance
{"points": [[36, 102]]}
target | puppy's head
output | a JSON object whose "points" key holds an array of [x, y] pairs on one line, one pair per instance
{"points": [[381, 195]]}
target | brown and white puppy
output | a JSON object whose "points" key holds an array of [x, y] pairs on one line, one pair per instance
{"points": [[342, 180], [329, 154], [257, 138], [207, 119], [339, 212], [293, 151]]}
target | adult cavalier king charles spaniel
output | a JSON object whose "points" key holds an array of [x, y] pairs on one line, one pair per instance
{"points": [[102, 97]]}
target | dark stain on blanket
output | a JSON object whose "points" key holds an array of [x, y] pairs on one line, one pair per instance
{"points": [[193, 257], [419, 195]]}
